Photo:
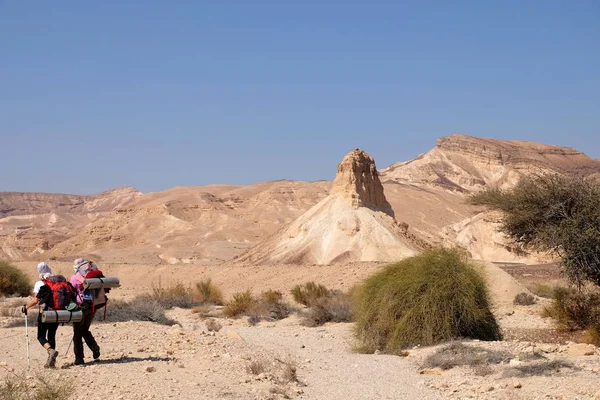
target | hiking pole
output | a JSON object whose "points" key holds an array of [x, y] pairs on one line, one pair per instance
{"points": [[27, 338], [69, 346]]}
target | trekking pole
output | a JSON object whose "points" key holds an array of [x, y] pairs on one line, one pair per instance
{"points": [[27, 340], [69, 346]]}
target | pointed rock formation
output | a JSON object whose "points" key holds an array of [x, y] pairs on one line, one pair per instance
{"points": [[354, 223]]}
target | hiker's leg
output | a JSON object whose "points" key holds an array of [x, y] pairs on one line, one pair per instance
{"points": [[87, 335], [52, 328], [77, 340], [41, 335]]}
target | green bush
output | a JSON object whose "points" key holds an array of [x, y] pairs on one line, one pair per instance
{"points": [[423, 300], [308, 292], [13, 281], [208, 292], [574, 310]]}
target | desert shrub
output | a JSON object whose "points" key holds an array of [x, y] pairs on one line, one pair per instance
{"points": [[256, 367], [289, 371], [457, 354], [213, 325], [524, 299], [592, 334], [13, 282], [574, 310], [544, 368], [336, 307], [559, 214], [174, 296], [45, 389], [208, 292], [424, 300], [242, 303], [545, 291], [308, 292], [140, 308]]}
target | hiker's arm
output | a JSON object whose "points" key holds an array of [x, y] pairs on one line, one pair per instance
{"points": [[32, 303]]}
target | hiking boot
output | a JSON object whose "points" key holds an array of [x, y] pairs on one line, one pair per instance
{"points": [[96, 352], [51, 362], [79, 361]]}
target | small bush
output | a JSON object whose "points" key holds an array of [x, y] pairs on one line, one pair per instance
{"points": [[242, 303], [45, 389], [308, 292], [524, 299], [424, 300], [544, 291], [13, 282], [208, 292], [457, 354], [256, 367], [573, 310], [336, 307], [544, 368], [174, 296], [289, 372], [592, 334], [140, 308], [213, 325]]}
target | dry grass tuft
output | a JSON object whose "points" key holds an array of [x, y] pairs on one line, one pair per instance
{"points": [[457, 354], [140, 308], [545, 368], [256, 367], [174, 296], [335, 307], [573, 310], [213, 325], [524, 299], [242, 303], [45, 389], [308, 293], [208, 292]]}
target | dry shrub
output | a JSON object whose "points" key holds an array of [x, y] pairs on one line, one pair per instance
{"points": [[45, 389], [242, 303], [213, 325], [524, 299], [256, 367], [140, 308], [336, 307], [174, 296], [208, 292], [545, 291], [592, 334], [13, 282], [289, 371], [431, 298], [308, 292], [544, 368], [457, 354], [573, 310]]}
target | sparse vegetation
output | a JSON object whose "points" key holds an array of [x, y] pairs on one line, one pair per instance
{"points": [[559, 214], [335, 307], [289, 371], [574, 310], [256, 367], [140, 308], [544, 368], [458, 354], [242, 303], [592, 334], [176, 295], [16, 388], [213, 325], [524, 299], [308, 293], [545, 291], [13, 282], [208, 292], [432, 298]]}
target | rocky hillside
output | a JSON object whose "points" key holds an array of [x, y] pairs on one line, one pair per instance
{"points": [[31, 223], [464, 163]]}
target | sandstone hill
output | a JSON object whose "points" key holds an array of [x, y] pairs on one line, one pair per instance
{"points": [[464, 163], [31, 223], [354, 223]]}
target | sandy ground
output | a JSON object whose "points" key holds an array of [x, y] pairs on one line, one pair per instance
{"points": [[144, 360]]}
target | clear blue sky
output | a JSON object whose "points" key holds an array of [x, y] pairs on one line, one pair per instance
{"points": [[154, 94]]}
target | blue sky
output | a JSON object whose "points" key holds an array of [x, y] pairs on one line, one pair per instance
{"points": [[95, 95]]}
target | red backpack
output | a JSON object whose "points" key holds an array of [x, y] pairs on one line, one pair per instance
{"points": [[62, 292]]}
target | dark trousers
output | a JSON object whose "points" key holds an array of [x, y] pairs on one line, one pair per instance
{"points": [[81, 330], [49, 330]]}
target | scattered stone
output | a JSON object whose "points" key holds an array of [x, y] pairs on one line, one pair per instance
{"points": [[150, 369], [549, 348], [516, 384]]}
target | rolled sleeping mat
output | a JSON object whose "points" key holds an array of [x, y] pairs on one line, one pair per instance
{"points": [[97, 283], [61, 316]]}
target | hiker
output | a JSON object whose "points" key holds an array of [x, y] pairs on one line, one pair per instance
{"points": [[46, 332], [89, 300]]}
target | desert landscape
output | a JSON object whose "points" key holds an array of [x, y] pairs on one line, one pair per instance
{"points": [[273, 236]]}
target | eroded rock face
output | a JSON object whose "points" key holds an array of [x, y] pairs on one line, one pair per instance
{"points": [[357, 181]]}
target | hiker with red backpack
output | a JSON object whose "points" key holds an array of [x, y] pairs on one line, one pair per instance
{"points": [[52, 292], [89, 300]]}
